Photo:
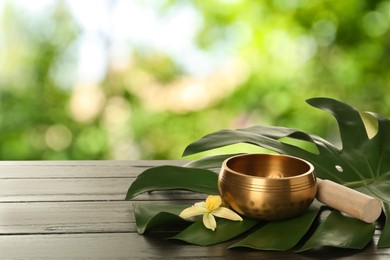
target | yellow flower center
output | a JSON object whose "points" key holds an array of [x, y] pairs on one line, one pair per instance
{"points": [[213, 202]]}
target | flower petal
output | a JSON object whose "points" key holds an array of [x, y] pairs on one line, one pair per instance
{"points": [[209, 221], [201, 204], [226, 213], [192, 212], [213, 202]]}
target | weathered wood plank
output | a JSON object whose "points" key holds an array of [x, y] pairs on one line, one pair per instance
{"points": [[64, 189], [70, 217], [74, 217], [97, 246], [77, 169], [66, 217], [135, 163], [74, 189], [134, 246]]}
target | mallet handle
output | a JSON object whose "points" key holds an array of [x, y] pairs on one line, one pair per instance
{"points": [[349, 201]]}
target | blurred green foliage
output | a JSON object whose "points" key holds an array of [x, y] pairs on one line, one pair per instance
{"points": [[278, 54]]}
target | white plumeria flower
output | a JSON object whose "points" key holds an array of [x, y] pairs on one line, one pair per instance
{"points": [[210, 208]]}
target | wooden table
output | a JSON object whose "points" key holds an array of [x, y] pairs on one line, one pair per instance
{"points": [[76, 210]]}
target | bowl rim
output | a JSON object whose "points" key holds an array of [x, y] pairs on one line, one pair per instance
{"points": [[309, 172]]}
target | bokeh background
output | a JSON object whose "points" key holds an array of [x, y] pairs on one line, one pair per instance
{"points": [[118, 79]]}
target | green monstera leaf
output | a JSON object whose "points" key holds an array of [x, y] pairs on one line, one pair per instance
{"points": [[362, 163]]}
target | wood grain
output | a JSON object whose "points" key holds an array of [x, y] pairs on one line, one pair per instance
{"points": [[77, 169], [70, 217], [76, 210], [152, 246]]}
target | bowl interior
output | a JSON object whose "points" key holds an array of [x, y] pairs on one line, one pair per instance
{"points": [[268, 166]]}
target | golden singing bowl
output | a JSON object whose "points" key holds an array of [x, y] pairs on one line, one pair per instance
{"points": [[267, 187]]}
